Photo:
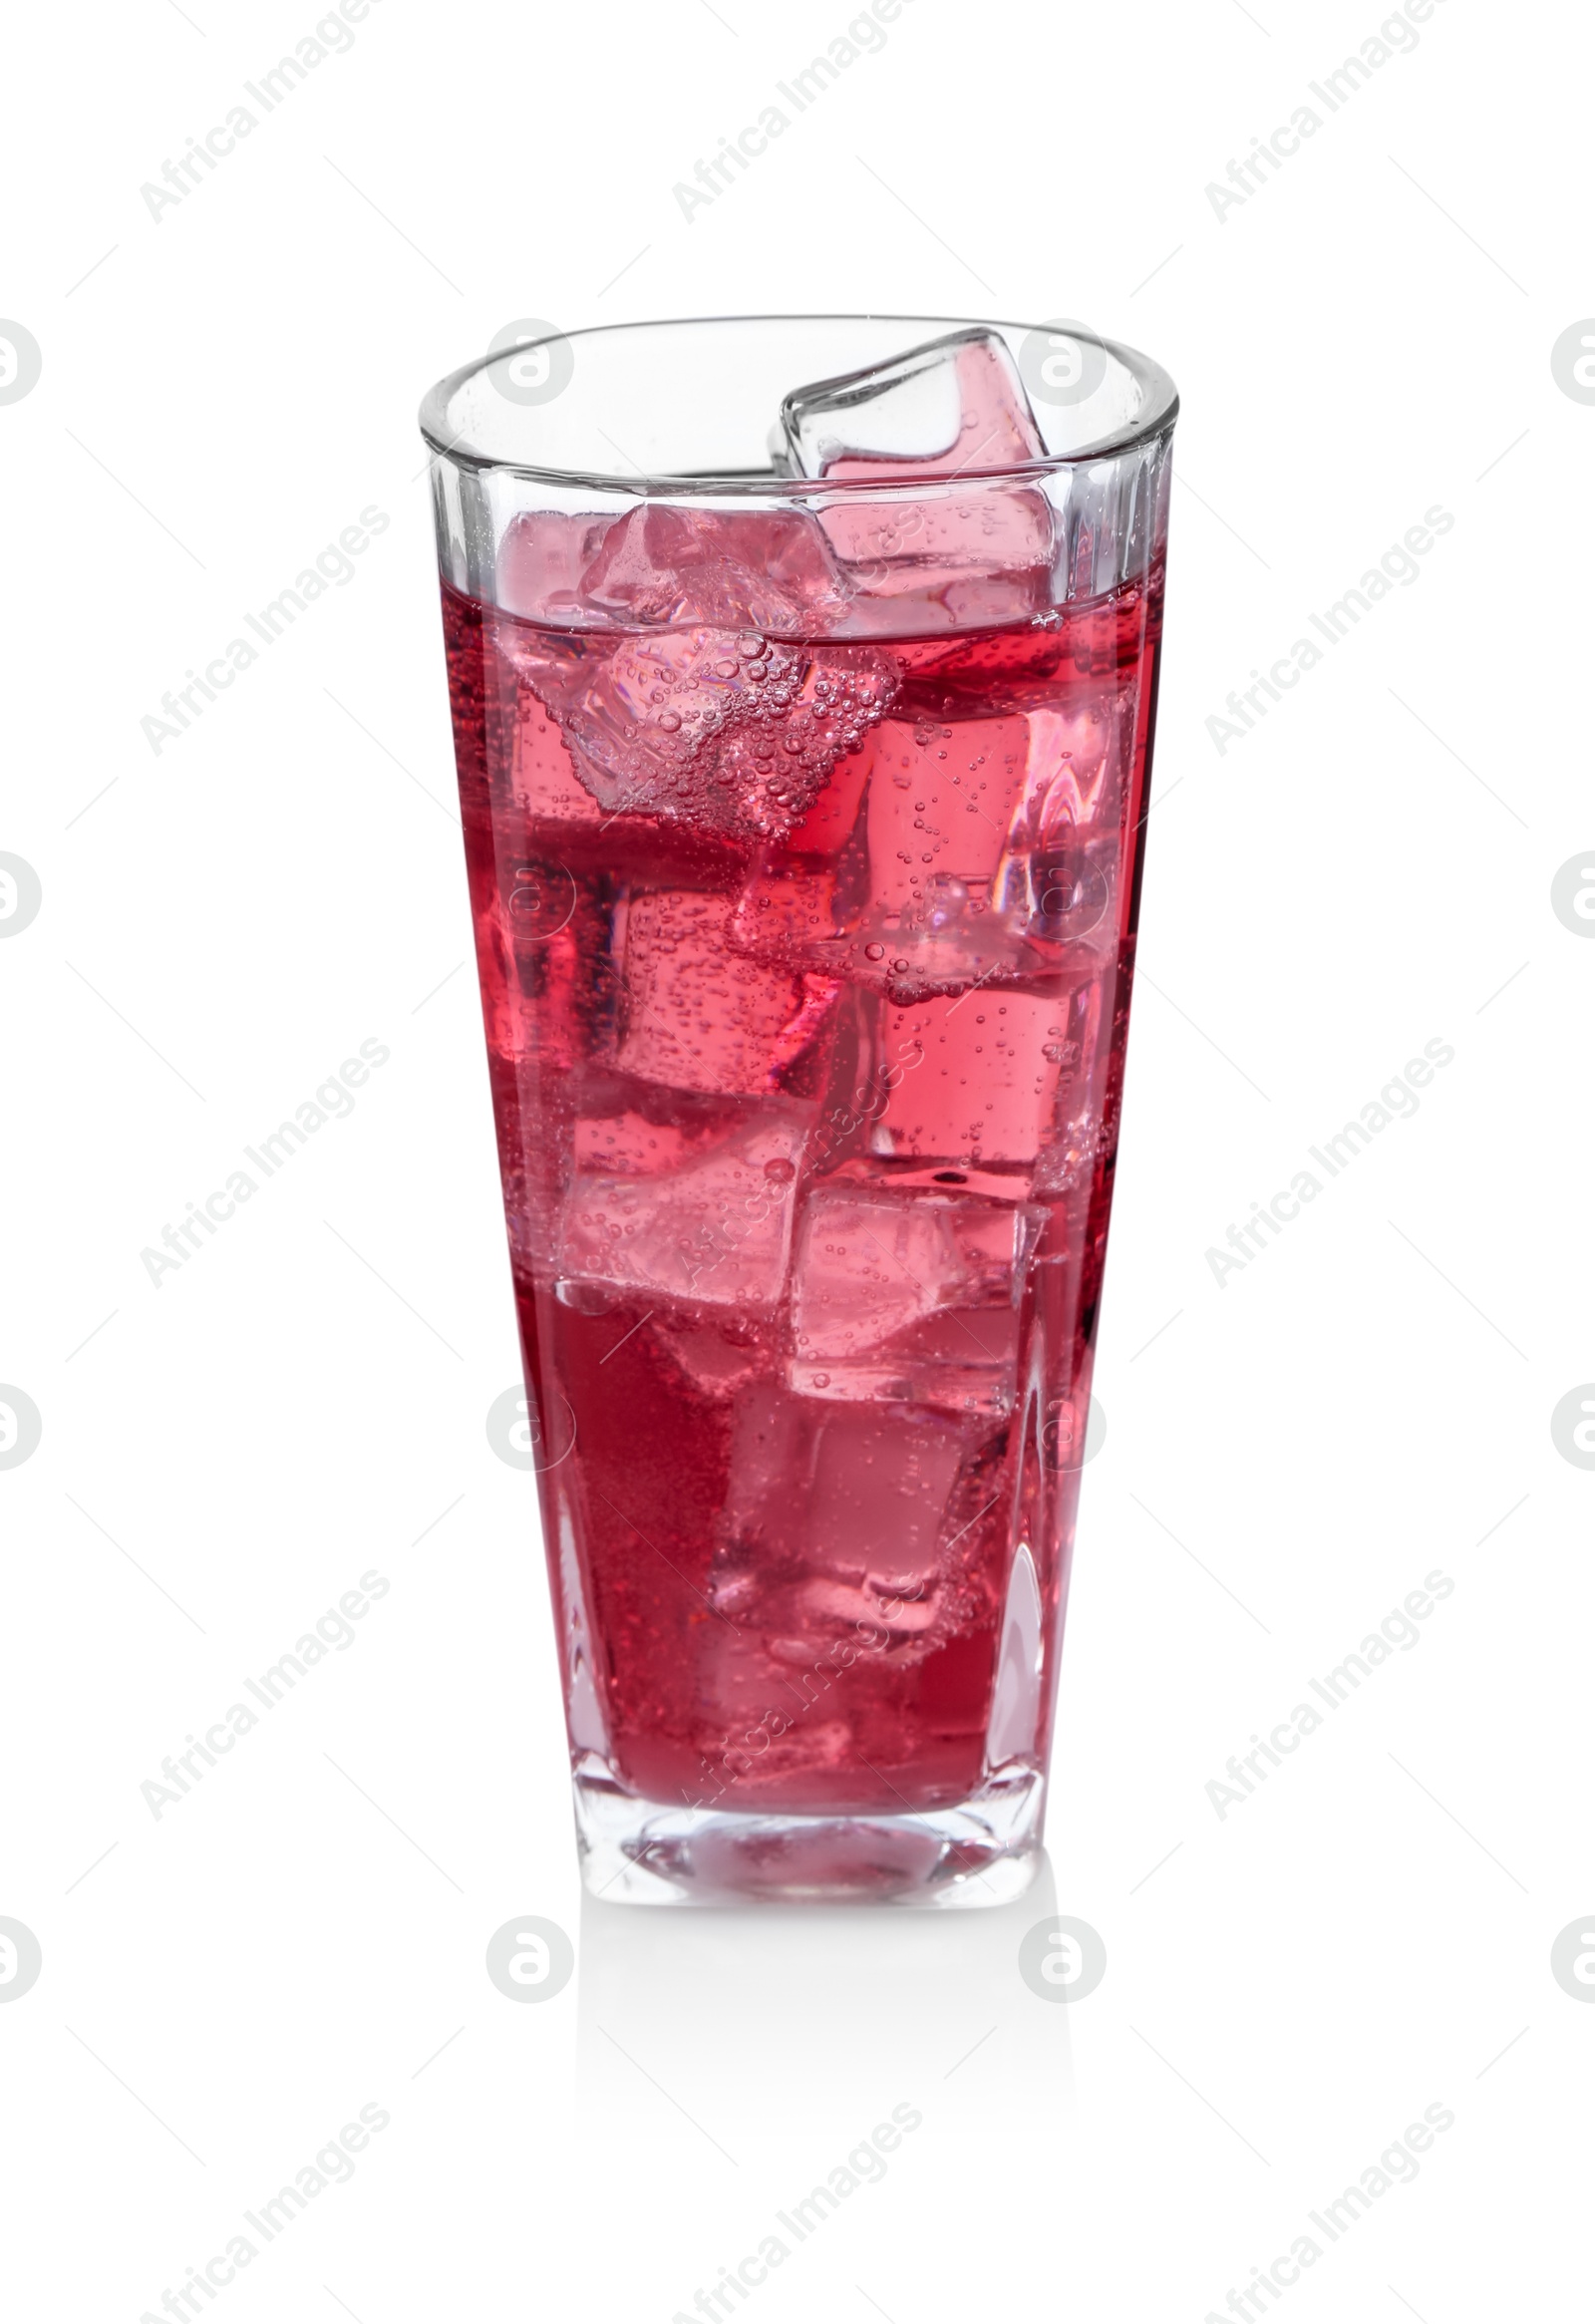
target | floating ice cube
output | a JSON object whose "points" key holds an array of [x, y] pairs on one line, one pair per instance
{"points": [[939, 813], [912, 910], [775, 766], [974, 1078], [728, 568], [739, 568], [961, 554], [697, 1217], [986, 847], [953, 557], [798, 904], [907, 1297], [647, 709], [727, 728], [699, 1017], [994, 844], [542, 559]]}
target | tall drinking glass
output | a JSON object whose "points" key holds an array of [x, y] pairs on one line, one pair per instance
{"points": [[802, 674]]}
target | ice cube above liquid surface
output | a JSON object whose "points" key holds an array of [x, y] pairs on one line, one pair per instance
{"points": [[957, 403], [806, 1065], [947, 412]]}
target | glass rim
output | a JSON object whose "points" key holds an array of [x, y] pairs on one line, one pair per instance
{"points": [[1160, 410]]}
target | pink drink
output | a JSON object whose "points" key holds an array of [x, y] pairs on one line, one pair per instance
{"points": [[803, 768], [806, 968]]}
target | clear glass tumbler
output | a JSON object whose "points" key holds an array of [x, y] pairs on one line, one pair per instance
{"points": [[803, 674]]}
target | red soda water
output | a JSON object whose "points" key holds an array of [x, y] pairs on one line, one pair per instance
{"points": [[806, 971]]}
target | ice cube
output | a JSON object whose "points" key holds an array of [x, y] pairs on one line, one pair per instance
{"points": [[913, 911], [543, 779], [977, 1078], [791, 911], [946, 560], [882, 1483], [845, 1521], [953, 554], [643, 713], [907, 1297], [776, 765], [738, 568], [939, 814], [700, 1215], [794, 904], [725, 729], [954, 403], [742, 569], [542, 559], [722, 1355], [699, 1017], [826, 827]]}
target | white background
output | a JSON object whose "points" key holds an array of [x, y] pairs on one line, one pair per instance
{"points": [[224, 390]]}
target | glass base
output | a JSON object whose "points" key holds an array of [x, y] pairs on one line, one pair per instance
{"points": [[982, 1851]]}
